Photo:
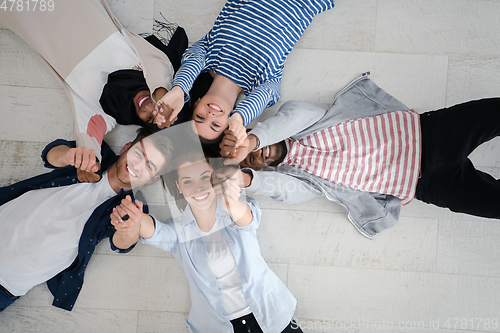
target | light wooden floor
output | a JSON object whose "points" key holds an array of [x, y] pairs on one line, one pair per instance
{"points": [[433, 271]]}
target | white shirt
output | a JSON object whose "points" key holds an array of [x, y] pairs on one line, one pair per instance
{"points": [[41, 229], [223, 265], [86, 82]]}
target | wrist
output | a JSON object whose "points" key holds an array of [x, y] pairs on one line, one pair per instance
{"points": [[238, 117], [159, 93], [57, 156], [247, 179], [254, 142]]}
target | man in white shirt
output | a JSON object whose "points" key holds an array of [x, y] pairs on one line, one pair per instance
{"points": [[51, 223]]}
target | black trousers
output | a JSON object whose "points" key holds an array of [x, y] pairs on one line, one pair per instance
{"points": [[448, 177], [248, 324]]}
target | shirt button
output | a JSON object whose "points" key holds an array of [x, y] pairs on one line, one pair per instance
{"points": [[244, 322]]}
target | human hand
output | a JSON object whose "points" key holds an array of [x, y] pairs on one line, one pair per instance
{"points": [[224, 173], [228, 148], [228, 187], [235, 123], [168, 107], [126, 218], [89, 177], [162, 115], [84, 160]]}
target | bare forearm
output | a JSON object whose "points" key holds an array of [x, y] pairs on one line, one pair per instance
{"points": [[159, 93], [241, 214], [57, 156], [147, 226]]}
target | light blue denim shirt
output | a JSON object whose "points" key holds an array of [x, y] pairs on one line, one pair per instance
{"points": [[270, 301]]}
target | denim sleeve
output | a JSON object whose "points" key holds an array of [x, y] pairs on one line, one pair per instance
{"points": [[165, 236]]}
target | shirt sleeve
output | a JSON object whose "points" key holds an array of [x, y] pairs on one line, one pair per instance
{"points": [[265, 95], [281, 187], [193, 62], [118, 250], [165, 236]]}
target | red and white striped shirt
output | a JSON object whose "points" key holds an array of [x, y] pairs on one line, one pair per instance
{"points": [[376, 154]]}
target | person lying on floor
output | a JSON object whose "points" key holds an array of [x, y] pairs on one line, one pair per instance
{"points": [[51, 223], [232, 287], [245, 51], [371, 154]]}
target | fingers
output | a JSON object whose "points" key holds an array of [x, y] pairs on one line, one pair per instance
{"points": [[129, 209], [82, 158], [163, 113], [159, 119], [229, 191], [241, 134], [172, 102], [222, 174], [87, 177], [116, 220], [228, 144], [236, 125], [165, 109], [229, 148]]}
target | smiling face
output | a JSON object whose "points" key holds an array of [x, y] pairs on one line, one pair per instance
{"points": [[269, 155], [139, 164], [193, 182], [144, 106], [210, 115]]}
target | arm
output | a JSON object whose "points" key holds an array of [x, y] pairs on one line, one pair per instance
{"points": [[229, 149], [82, 158], [292, 118], [256, 214], [257, 100], [193, 62], [129, 229], [229, 190], [279, 186]]}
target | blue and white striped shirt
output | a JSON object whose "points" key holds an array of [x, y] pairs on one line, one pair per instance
{"points": [[248, 44]]}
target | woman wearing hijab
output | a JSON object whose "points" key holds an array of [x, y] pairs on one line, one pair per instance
{"points": [[83, 42]]}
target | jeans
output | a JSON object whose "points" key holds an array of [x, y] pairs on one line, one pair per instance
{"points": [[248, 324], [448, 177], [6, 298]]}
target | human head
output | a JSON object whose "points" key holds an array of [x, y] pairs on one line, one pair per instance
{"points": [[268, 155], [123, 93], [211, 114], [143, 161], [144, 106], [194, 184], [142, 132], [180, 169]]}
